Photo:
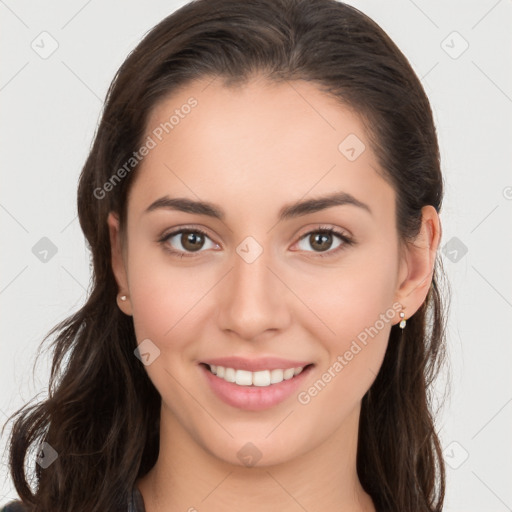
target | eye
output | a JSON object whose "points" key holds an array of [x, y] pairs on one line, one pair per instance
{"points": [[186, 242], [322, 240]]}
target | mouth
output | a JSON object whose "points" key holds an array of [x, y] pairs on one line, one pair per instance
{"points": [[261, 378], [254, 390]]}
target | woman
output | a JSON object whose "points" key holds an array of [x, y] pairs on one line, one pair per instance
{"points": [[262, 206]]}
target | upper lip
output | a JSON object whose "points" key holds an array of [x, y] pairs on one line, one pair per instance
{"points": [[254, 365]]}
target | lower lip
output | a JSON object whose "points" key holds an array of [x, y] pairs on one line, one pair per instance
{"points": [[253, 398]]}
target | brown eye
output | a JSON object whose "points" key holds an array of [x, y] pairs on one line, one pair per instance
{"points": [[192, 240], [321, 241], [185, 242], [326, 240]]}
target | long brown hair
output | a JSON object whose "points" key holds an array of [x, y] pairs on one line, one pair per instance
{"points": [[102, 413]]}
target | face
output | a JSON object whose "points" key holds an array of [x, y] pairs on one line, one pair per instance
{"points": [[250, 277]]}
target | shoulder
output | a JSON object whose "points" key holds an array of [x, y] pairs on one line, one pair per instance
{"points": [[14, 506]]}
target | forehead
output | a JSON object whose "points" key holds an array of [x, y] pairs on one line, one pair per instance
{"points": [[257, 141]]}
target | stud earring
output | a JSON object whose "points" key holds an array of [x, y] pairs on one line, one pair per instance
{"points": [[123, 297], [403, 322]]}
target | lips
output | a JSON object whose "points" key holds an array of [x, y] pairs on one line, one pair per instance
{"points": [[254, 397]]}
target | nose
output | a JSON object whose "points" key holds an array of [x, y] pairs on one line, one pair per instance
{"points": [[253, 299]]}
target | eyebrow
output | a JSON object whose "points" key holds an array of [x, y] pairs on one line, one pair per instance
{"points": [[287, 212]]}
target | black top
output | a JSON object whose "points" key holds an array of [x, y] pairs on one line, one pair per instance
{"points": [[135, 504]]}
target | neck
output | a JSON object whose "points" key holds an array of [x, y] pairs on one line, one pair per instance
{"points": [[186, 477]]}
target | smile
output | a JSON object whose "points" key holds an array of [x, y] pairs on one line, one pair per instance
{"points": [[255, 390], [261, 378]]}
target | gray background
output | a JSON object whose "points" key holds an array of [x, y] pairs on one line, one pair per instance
{"points": [[50, 107]]}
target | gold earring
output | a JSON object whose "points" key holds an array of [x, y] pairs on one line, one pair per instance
{"points": [[403, 322]]}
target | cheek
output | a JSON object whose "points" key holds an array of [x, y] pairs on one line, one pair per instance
{"points": [[347, 298], [165, 298], [355, 305], [352, 315], [168, 309]]}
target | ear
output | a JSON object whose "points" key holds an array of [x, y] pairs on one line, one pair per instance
{"points": [[118, 263], [417, 264]]}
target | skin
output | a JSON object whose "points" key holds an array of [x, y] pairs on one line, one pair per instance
{"points": [[251, 150]]}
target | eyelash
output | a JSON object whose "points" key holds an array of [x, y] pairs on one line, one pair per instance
{"points": [[347, 241]]}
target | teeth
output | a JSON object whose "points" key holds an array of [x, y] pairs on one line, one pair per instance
{"points": [[243, 377], [230, 375], [288, 374], [262, 378]]}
